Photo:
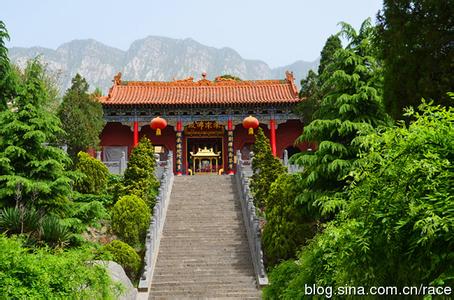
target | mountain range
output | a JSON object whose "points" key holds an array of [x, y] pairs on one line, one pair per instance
{"points": [[151, 58]]}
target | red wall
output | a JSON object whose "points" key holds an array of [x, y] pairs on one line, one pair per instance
{"points": [[167, 138], [286, 134], [116, 134]]}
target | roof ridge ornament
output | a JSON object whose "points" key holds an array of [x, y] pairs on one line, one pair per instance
{"points": [[291, 79], [117, 79]]}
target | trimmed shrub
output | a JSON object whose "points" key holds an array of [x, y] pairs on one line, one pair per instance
{"points": [[124, 255], [139, 177], [95, 175], [130, 219], [42, 274]]}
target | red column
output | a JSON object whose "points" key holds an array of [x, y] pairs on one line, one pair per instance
{"points": [[273, 136], [136, 134]]}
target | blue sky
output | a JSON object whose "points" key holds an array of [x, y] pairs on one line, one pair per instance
{"points": [[277, 32]]}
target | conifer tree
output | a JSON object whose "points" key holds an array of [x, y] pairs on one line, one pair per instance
{"points": [[81, 116], [30, 167], [311, 86], [139, 177], [7, 92], [266, 169], [351, 106], [417, 46]]}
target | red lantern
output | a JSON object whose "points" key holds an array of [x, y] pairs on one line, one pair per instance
{"points": [[250, 123], [158, 124]]}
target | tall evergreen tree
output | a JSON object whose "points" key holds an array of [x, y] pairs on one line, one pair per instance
{"points": [[417, 44], [266, 169], [7, 92], [31, 168], [332, 44], [81, 116], [351, 106], [139, 178], [311, 85]]}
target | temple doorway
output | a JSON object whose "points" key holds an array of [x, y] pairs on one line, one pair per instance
{"points": [[205, 155]]}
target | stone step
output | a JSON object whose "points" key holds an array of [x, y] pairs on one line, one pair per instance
{"points": [[204, 251]]}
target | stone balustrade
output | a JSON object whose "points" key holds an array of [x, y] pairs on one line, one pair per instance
{"points": [[291, 168], [157, 222], [251, 221]]}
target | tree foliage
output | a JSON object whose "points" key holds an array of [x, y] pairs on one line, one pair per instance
{"points": [[266, 169], [332, 44], [139, 177], [7, 84], [31, 168], [396, 225], [288, 225], [311, 86], [416, 42], [351, 106], [81, 116]]}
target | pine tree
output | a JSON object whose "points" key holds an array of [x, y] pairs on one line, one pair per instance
{"points": [[416, 40], [266, 169], [351, 106], [81, 116], [31, 168]]}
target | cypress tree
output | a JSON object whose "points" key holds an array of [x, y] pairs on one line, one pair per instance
{"points": [[81, 116], [139, 178], [416, 40], [266, 169]]}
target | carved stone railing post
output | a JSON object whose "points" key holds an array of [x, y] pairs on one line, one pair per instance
{"points": [[250, 218], [154, 232], [123, 164]]}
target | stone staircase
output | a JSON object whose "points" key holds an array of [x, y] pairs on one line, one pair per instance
{"points": [[204, 251]]}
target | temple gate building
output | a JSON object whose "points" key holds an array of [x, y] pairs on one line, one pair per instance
{"points": [[204, 119]]}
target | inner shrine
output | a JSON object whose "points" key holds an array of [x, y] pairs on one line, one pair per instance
{"points": [[203, 122]]}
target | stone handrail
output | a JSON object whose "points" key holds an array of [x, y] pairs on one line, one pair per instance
{"points": [[291, 168], [251, 220], [156, 226], [115, 167]]}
